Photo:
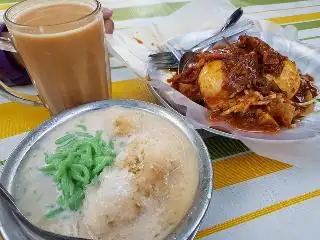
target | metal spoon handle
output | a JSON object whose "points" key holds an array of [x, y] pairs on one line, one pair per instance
{"points": [[226, 33], [6, 196], [234, 18], [9, 201]]}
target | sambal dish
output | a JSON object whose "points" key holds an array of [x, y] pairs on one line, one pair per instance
{"points": [[248, 85]]}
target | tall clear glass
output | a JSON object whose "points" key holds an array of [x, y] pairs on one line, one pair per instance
{"points": [[64, 54]]}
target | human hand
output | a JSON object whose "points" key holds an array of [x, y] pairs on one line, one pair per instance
{"points": [[108, 23]]}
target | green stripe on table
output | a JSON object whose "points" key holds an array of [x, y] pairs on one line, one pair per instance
{"points": [[165, 9], [308, 38], [155, 10], [221, 147], [306, 25], [245, 3], [8, 1]]}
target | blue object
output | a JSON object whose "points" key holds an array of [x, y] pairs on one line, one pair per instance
{"points": [[11, 72]]}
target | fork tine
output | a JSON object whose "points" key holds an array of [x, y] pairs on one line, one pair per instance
{"points": [[166, 66], [162, 54], [168, 61], [165, 61], [164, 58]]}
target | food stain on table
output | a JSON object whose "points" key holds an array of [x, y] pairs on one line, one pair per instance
{"points": [[138, 40]]}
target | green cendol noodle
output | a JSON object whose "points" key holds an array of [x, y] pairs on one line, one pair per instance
{"points": [[78, 160]]}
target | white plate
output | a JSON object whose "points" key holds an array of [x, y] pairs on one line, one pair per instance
{"points": [[306, 58]]}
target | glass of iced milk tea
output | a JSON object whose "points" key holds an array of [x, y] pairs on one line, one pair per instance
{"points": [[62, 46]]}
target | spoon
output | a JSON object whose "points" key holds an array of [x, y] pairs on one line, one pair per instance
{"points": [[190, 55], [8, 200], [175, 57]]}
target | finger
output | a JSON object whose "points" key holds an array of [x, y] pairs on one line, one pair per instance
{"points": [[108, 26], [107, 13]]}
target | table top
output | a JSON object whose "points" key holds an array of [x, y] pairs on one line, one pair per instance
{"points": [[254, 197]]}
